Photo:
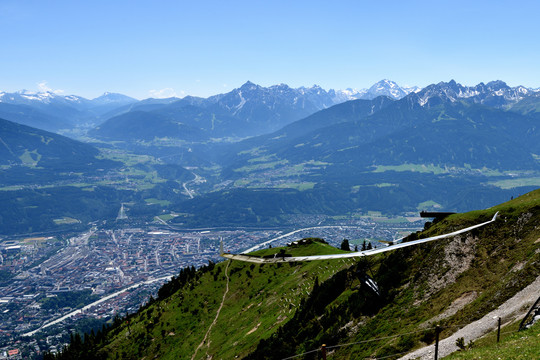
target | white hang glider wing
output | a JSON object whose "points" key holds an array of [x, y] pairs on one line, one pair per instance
{"points": [[280, 259]]}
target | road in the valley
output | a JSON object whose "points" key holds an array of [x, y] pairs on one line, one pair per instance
{"points": [[198, 179], [103, 299]]}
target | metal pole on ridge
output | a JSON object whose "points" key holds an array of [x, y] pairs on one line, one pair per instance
{"points": [[437, 332], [499, 330]]}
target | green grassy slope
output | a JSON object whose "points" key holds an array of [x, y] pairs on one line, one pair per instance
{"points": [[524, 345], [273, 311], [259, 300]]}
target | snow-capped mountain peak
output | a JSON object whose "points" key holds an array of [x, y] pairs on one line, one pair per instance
{"points": [[249, 86], [384, 87], [387, 88], [495, 93]]}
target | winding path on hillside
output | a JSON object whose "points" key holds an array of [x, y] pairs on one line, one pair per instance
{"points": [[510, 311], [217, 314]]}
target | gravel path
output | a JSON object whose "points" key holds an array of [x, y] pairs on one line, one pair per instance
{"points": [[511, 310]]}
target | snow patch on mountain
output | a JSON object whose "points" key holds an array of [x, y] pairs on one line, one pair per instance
{"points": [[241, 104]]}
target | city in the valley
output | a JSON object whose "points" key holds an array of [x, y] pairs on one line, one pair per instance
{"points": [[55, 284]]}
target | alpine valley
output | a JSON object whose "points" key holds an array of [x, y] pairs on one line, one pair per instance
{"points": [[256, 155]]}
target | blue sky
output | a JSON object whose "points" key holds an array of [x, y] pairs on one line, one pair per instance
{"points": [[161, 47]]}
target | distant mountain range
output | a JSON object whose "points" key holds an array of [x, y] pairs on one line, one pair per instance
{"points": [[446, 145], [495, 94], [246, 111], [48, 98], [255, 110], [487, 121], [250, 110], [58, 113]]}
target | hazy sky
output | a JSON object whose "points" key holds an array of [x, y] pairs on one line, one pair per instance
{"points": [[161, 47]]}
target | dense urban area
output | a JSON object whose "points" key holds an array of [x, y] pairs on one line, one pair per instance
{"points": [[80, 281]]}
